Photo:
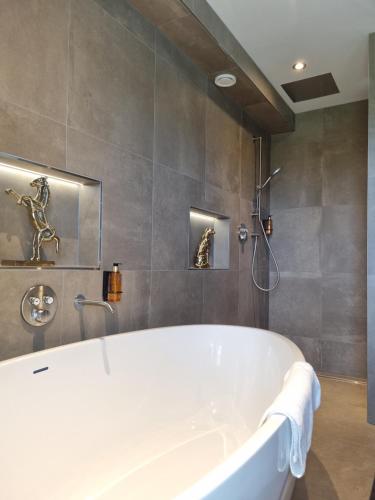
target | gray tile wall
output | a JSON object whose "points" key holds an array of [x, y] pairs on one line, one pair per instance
{"points": [[318, 203], [90, 86], [371, 236]]}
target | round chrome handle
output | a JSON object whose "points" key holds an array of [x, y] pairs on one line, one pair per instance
{"points": [[48, 300], [243, 233], [34, 301]]}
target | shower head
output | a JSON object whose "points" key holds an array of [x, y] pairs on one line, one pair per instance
{"points": [[275, 172]]}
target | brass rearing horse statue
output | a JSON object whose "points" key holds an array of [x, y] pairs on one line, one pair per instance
{"points": [[44, 232]]}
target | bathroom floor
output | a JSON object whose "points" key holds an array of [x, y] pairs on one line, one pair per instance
{"points": [[341, 463]]}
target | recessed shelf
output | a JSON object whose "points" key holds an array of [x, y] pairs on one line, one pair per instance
{"points": [[219, 250], [74, 209]]}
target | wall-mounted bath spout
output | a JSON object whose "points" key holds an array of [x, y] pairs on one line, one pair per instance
{"points": [[81, 301]]}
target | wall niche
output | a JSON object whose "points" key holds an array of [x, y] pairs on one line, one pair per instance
{"points": [[73, 209], [219, 248]]}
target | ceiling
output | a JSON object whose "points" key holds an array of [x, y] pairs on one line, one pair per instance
{"points": [[331, 36]]}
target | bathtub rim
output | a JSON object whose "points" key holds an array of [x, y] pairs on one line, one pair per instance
{"points": [[145, 331], [219, 474]]}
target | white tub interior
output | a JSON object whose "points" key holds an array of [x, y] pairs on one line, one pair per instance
{"points": [[140, 416]]}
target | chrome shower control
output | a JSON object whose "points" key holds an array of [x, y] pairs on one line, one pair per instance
{"points": [[243, 233], [39, 305], [34, 301]]}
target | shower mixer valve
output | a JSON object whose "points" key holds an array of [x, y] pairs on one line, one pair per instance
{"points": [[39, 305], [243, 233]]}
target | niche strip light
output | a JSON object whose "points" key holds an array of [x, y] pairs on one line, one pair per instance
{"points": [[199, 215], [38, 173]]}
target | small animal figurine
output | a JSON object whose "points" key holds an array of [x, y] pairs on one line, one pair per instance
{"points": [[44, 232], [203, 250]]}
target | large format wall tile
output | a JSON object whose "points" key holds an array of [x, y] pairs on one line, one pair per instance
{"points": [[371, 344], [247, 165], [295, 239], [133, 311], [344, 307], [246, 299], [174, 194], [32, 136], [222, 146], [324, 167], [111, 87], [252, 303], [131, 19], [299, 184], [344, 358], [371, 234], [246, 248], [127, 198], [311, 348], [165, 49], [33, 54], [179, 143], [343, 239], [296, 307], [176, 298], [370, 218], [344, 174], [309, 127], [228, 204], [220, 297], [346, 124]]}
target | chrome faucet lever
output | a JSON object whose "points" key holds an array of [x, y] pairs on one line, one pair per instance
{"points": [[80, 301]]}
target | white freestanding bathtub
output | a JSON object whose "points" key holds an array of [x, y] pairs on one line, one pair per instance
{"points": [[155, 414]]}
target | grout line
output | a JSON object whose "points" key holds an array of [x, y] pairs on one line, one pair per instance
{"points": [[163, 165], [203, 194], [205, 183], [320, 352], [112, 144], [68, 69], [32, 111], [63, 306], [152, 197], [239, 246], [181, 70], [129, 31]]}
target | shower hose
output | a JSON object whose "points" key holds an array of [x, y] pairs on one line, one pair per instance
{"points": [[256, 236]]}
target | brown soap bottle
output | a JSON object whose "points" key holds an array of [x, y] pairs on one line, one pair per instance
{"points": [[114, 284], [268, 226]]}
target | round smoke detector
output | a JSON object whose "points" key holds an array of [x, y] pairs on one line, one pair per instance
{"points": [[225, 80]]}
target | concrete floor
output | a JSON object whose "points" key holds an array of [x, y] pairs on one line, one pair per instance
{"points": [[341, 462]]}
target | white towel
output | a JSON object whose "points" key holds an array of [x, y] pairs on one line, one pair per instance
{"points": [[298, 399]]}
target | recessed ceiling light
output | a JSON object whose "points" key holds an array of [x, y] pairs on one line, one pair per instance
{"points": [[225, 80], [299, 65]]}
